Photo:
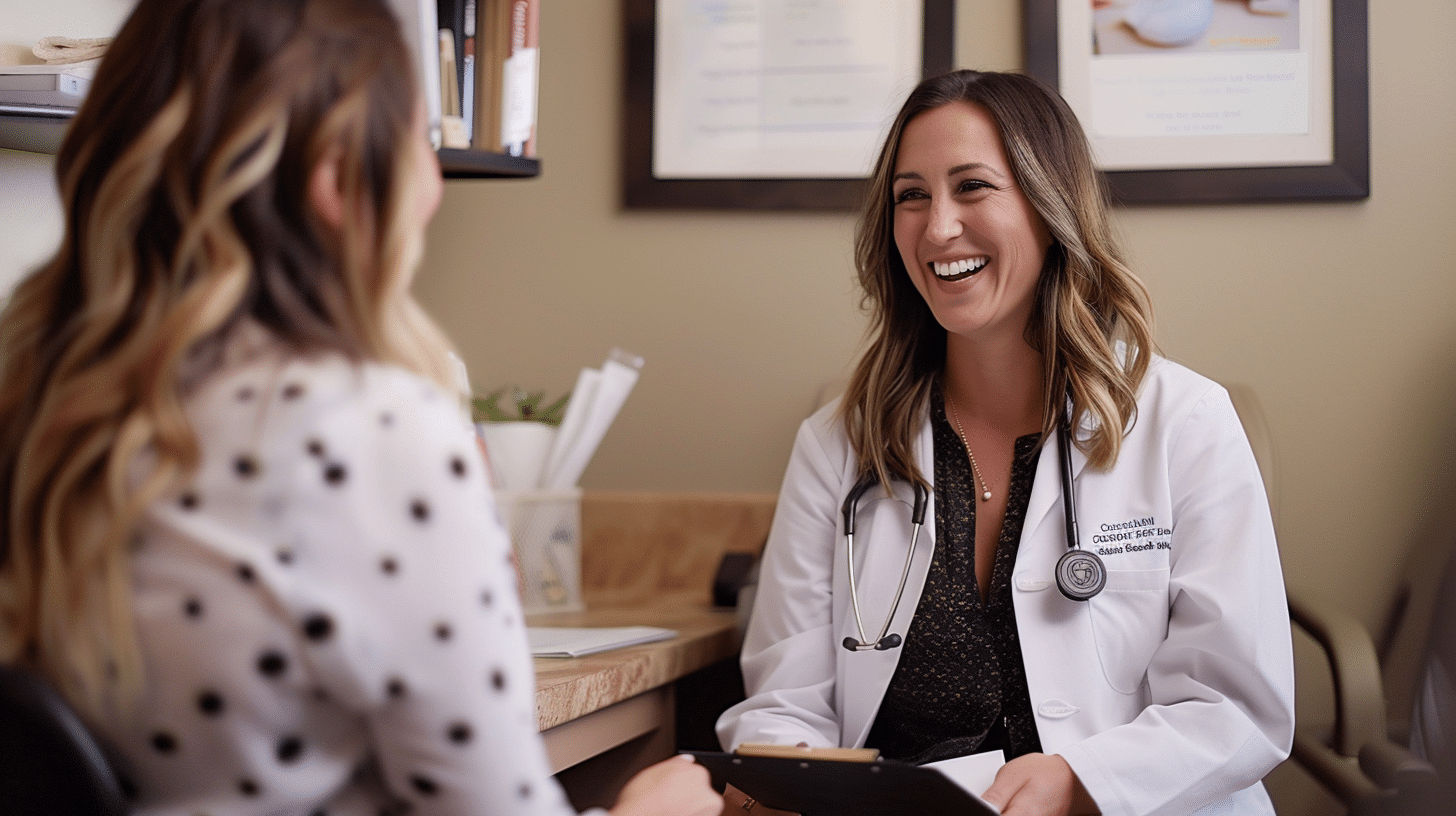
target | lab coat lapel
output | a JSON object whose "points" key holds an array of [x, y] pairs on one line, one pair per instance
{"points": [[865, 675], [1046, 490]]}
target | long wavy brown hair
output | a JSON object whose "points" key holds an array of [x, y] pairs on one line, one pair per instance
{"points": [[184, 183], [1092, 318]]}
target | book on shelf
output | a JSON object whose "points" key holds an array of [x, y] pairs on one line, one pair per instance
{"points": [[519, 81], [450, 15], [420, 26], [492, 46]]}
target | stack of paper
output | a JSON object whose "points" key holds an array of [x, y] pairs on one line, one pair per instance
{"points": [[561, 641]]}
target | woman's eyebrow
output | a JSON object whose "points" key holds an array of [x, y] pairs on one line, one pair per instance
{"points": [[961, 168]]}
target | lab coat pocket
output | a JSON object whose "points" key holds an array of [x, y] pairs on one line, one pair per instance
{"points": [[1129, 622]]}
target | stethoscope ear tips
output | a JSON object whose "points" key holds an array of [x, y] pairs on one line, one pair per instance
{"points": [[885, 643]]}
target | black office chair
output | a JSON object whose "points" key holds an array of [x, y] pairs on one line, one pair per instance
{"points": [[49, 763]]}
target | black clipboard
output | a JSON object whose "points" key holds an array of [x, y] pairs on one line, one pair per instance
{"points": [[827, 787]]}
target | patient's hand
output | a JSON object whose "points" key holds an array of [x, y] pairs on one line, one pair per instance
{"points": [[673, 787]]}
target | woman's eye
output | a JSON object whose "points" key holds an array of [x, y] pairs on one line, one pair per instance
{"points": [[973, 185], [909, 194]]}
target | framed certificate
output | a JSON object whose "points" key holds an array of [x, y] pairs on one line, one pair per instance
{"points": [[1226, 101], [769, 103]]}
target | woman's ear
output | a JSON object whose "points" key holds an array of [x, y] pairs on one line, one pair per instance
{"points": [[323, 190]]}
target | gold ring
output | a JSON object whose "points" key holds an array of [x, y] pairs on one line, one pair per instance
{"points": [[748, 804]]}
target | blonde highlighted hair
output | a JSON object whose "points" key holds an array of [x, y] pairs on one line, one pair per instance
{"points": [[1092, 318], [184, 180]]}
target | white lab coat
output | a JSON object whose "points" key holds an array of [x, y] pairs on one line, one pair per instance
{"points": [[1171, 691]]}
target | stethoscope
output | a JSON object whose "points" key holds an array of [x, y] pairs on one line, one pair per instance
{"points": [[1080, 574]]}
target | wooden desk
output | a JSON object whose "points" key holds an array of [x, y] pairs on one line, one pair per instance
{"points": [[647, 560], [605, 716]]}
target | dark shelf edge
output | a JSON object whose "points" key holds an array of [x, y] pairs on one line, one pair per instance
{"points": [[465, 164], [38, 133]]}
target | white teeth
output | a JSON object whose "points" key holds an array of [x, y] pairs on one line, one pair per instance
{"points": [[958, 268]]}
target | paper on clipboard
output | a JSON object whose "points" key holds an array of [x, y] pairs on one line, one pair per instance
{"points": [[975, 772]]}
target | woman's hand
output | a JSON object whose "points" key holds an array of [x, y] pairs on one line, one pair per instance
{"points": [[1038, 785], [673, 787]]}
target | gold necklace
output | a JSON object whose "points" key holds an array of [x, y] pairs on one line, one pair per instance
{"points": [[976, 471]]}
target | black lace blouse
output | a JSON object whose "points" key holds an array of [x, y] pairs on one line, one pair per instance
{"points": [[960, 686]]}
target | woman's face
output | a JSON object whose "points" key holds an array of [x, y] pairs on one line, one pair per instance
{"points": [[425, 182], [971, 242]]}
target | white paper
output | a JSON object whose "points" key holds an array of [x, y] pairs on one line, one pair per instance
{"points": [[583, 394], [572, 453], [763, 89], [562, 641], [974, 773]]}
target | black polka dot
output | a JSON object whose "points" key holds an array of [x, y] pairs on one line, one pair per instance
{"points": [[248, 787], [459, 733], [524, 791], [189, 501], [128, 787], [292, 391], [386, 419], [424, 785], [289, 749], [443, 631], [388, 565], [420, 510], [335, 474], [246, 574], [314, 447], [318, 627], [320, 694], [272, 664], [246, 466], [486, 598], [210, 703], [245, 394], [498, 680], [192, 608], [395, 688], [285, 556], [457, 466], [164, 743]]}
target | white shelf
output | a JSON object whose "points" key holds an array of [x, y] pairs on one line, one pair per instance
{"points": [[34, 130]]}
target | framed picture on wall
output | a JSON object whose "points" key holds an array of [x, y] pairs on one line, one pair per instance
{"points": [[1197, 101], [769, 104]]}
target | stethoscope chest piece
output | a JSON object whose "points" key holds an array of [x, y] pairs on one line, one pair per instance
{"points": [[1080, 574]]}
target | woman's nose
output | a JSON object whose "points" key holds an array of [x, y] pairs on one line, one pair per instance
{"points": [[945, 221]]}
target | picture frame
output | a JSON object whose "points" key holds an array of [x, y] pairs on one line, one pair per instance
{"points": [[1278, 164], [719, 188]]}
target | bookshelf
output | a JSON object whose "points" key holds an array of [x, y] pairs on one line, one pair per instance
{"points": [[38, 130], [42, 133]]}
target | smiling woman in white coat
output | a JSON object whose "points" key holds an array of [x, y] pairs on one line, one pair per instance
{"points": [[1155, 675]]}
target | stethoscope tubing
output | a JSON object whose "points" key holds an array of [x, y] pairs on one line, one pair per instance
{"points": [[1080, 574], [917, 520]]}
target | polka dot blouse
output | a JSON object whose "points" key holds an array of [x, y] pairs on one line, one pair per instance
{"points": [[327, 610]]}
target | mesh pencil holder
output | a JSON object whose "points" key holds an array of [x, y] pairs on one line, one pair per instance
{"points": [[545, 529]]}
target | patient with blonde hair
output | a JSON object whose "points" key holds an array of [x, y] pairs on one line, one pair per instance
{"points": [[246, 532]]}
